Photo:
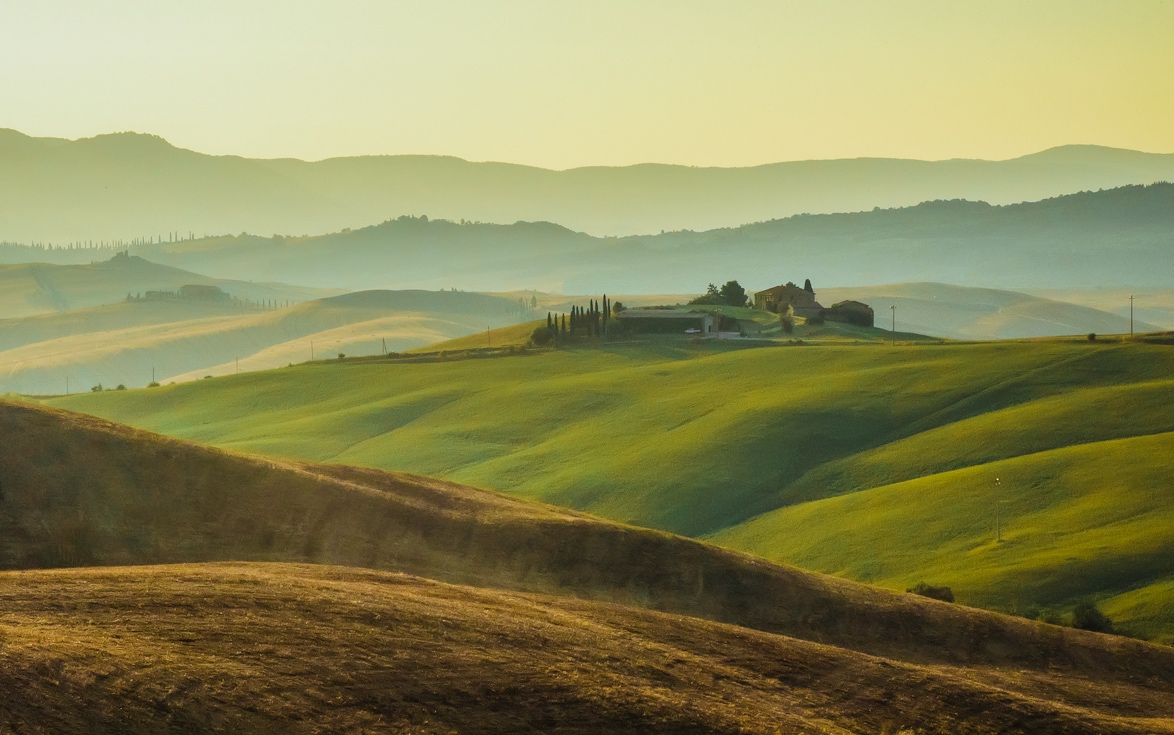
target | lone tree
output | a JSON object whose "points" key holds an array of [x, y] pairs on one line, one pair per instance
{"points": [[733, 294]]}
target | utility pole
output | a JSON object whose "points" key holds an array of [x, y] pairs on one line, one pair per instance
{"points": [[238, 366], [1130, 314], [67, 386], [385, 345], [488, 338], [311, 350], [894, 309]]}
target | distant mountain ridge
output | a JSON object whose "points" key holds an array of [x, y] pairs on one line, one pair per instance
{"points": [[1118, 237], [129, 185]]}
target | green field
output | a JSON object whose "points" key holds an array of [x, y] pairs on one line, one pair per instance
{"points": [[869, 461]]}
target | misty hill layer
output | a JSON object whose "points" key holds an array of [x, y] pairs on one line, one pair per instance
{"points": [[127, 185], [194, 646], [29, 289], [1120, 237], [959, 312], [129, 342], [699, 441]]}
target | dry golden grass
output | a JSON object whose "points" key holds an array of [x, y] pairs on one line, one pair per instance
{"points": [[261, 648], [292, 648]]}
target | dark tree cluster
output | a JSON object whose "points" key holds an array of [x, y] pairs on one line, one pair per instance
{"points": [[590, 321], [730, 294], [945, 594]]}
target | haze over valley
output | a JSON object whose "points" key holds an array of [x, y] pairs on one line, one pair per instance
{"points": [[447, 367]]}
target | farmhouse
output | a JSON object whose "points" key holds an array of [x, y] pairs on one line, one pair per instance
{"points": [[669, 321], [776, 300]]}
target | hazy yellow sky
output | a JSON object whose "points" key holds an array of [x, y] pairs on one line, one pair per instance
{"points": [[562, 84]]}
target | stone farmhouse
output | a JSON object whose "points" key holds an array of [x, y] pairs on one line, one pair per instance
{"points": [[776, 300]]}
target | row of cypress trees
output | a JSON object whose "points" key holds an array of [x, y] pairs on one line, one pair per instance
{"points": [[590, 321]]}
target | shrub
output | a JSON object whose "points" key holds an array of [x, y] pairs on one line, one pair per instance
{"points": [[152, 384], [1086, 616], [945, 594], [541, 336], [97, 388], [341, 356], [1052, 617], [1092, 336], [120, 387]]}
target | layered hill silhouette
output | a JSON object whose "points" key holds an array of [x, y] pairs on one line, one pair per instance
{"points": [[126, 185], [1113, 238], [545, 619], [34, 288], [133, 342]]}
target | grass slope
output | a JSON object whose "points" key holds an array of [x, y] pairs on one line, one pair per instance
{"points": [[262, 647], [125, 343], [1084, 522], [698, 439], [285, 648]]}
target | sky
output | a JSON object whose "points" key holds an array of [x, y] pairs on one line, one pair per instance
{"points": [[564, 84]]}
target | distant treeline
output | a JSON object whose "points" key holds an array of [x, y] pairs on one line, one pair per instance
{"points": [[76, 252]]}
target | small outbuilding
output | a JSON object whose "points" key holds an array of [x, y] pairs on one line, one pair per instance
{"points": [[669, 321], [851, 312]]}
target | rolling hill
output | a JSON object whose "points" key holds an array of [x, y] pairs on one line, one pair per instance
{"points": [[130, 342], [1155, 306], [545, 619], [958, 312], [1117, 238], [31, 289], [740, 445], [124, 186]]}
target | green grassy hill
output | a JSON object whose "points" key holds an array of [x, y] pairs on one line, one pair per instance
{"points": [[701, 439], [125, 343], [545, 619]]}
